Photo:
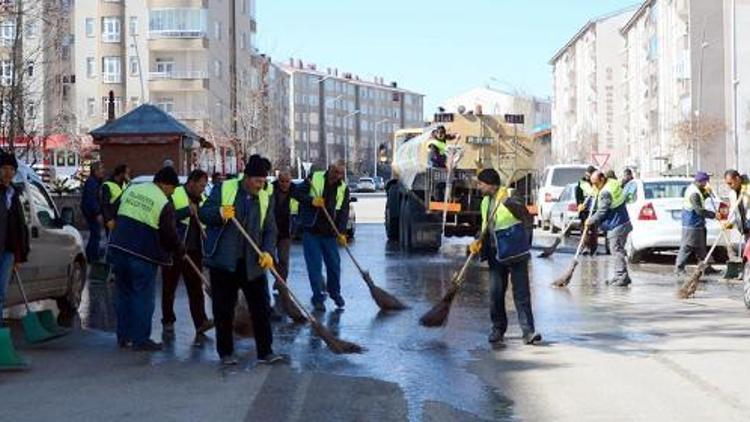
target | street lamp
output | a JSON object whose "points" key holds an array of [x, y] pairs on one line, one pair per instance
{"points": [[374, 146], [346, 142], [330, 100]]}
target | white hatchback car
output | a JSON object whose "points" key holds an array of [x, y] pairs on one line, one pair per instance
{"points": [[656, 215], [554, 179]]}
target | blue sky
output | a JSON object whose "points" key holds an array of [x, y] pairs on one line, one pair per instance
{"points": [[432, 47]]}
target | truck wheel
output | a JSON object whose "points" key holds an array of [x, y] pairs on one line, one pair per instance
{"points": [[407, 225], [392, 211], [68, 304]]}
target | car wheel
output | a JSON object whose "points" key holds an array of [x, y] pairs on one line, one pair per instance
{"points": [[746, 285], [553, 227], [68, 304], [634, 256], [720, 255], [546, 225]]}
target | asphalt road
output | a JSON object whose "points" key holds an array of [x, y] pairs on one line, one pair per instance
{"points": [[609, 354]]}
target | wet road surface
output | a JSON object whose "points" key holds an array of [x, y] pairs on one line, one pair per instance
{"points": [[609, 345]]}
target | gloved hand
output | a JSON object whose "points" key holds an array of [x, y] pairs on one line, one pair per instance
{"points": [[265, 260], [581, 207], [711, 215], [475, 247], [586, 223], [227, 212], [318, 202], [341, 239], [110, 225], [727, 225]]}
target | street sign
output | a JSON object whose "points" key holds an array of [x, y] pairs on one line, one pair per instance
{"points": [[514, 119], [600, 159], [307, 165]]}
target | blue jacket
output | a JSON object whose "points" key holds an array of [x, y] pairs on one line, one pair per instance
{"points": [[90, 206], [225, 245]]}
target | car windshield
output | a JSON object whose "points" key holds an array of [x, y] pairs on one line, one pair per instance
{"points": [[565, 176], [365, 180], [658, 190]]}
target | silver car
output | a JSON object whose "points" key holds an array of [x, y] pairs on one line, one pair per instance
{"points": [[57, 265]]}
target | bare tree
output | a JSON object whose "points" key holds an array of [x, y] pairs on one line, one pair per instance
{"points": [[694, 131]]}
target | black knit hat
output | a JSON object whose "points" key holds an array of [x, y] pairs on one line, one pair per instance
{"points": [[490, 177], [167, 176], [590, 169], [8, 159], [256, 167]]}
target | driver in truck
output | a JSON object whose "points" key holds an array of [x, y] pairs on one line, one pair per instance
{"points": [[439, 147]]}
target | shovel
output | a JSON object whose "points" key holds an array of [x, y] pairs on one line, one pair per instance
{"points": [[38, 326]]}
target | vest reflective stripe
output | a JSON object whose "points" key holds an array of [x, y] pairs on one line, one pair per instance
{"points": [[143, 203], [115, 190], [181, 200], [229, 191], [586, 187], [293, 207], [318, 184], [441, 146], [615, 189], [687, 204], [504, 219]]}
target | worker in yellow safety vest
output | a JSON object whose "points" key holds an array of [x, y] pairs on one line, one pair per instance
{"points": [[111, 192], [233, 264], [739, 193], [506, 247], [438, 146], [187, 200], [319, 241], [144, 238]]}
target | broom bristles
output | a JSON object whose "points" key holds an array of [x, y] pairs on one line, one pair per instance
{"points": [[548, 251], [336, 345], [564, 280], [437, 316], [385, 300], [690, 285], [290, 307]]}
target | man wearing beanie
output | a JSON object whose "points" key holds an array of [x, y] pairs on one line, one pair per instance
{"points": [[14, 234], [506, 246], [144, 238], [694, 215], [234, 264], [319, 241]]}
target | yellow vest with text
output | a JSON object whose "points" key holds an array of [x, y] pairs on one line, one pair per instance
{"points": [[137, 230]]}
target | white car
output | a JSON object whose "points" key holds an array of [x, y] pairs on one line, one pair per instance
{"points": [[656, 215], [150, 178], [551, 185], [366, 184], [565, 211]]}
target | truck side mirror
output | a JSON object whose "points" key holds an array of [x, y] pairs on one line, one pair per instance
{"points": [[68, 216]]}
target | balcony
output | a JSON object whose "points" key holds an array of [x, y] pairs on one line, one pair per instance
{"points": [[111, 78], [177, 40], [178, 80], [111, 37], [190, 114]]}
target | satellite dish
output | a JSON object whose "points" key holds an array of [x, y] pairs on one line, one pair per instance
{"points": [[461, 109]]}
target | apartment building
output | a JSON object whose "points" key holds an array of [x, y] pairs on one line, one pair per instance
{"points": [[267, 101], [537, 111], [586, 113], [737, 82], [344, 117], [675, 87], [186, 57]]}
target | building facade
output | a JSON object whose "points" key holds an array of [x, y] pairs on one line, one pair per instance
{"points": [[343, 117], [586, 111]]}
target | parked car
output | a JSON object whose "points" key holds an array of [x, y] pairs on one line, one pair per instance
{"points": [[379, 183], [57, 265], [366, 184], [565, 210], [656, 215], [351, 224], [150, 178], [551, 185]]}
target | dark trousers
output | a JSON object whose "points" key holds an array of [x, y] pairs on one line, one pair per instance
{"points": [[693, 243], [193, 285], [93, 252], [224, 287], [516, 273], [134, 300]]}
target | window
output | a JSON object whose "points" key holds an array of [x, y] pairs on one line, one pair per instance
{"points": [[217, 68], [111, 69], [6, 72], [89, 24], [177, 23], [165, 65], [111, 29], [45, 208], [133, 25], [166, 104], [134, 65], [242, 41], [134, 102], [217, 30], [30, 68], [30, 28], [105, 103], [90, 67], [90, 107], [7, 33]]}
